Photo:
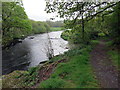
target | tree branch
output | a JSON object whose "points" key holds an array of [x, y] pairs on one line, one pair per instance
{"points": [[92, 16]]}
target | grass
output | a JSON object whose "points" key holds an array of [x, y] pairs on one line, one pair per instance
{"points": [[30, 77], [94, 42], [114, 56], [56, 28], [109, 43], [113, 53], [75, 73]]}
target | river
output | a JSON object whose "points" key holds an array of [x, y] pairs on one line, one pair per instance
{"points": [[32, 51]]}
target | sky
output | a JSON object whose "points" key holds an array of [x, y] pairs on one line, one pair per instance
{"points": [[35, 10]]}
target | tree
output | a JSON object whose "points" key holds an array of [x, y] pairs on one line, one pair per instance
{"points": [[39, 27], [15, 22], [78, 13], [115, 24], [55, 24]]}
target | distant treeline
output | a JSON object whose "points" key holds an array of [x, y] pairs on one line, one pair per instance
{"points": [[55, 24], [39, 27]]}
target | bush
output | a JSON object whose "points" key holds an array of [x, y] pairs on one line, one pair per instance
{"points": [[66, 35]]}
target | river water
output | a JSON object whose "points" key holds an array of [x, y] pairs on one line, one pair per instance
{"points": [[32, 51]]}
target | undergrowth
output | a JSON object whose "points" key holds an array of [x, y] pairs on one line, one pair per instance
{"points": [[20, 79]]}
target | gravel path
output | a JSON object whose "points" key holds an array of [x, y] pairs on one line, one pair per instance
{"points": [[105, 72]]}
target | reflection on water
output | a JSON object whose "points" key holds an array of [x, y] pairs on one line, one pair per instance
{"points": [[31, 51]]}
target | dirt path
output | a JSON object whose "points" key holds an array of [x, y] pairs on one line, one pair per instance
{"points": [[105, 72]]}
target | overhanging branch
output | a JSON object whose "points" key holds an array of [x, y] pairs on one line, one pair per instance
{"points": [[92, 16]]}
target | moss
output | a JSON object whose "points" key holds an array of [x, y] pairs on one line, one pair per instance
{"points": [[20, 79], [11, 80]]}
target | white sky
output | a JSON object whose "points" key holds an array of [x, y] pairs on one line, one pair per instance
{"points": [[35, 10]]}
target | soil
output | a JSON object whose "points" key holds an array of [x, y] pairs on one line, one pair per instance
{"points": [[105, 71], [46, 71]]}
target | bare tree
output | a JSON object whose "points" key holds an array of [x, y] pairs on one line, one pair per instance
{"points": [[48, 48]]}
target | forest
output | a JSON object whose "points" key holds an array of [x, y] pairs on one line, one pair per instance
{"points": [[92, 32]]}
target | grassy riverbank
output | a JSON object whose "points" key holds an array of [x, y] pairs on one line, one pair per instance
{"points": [[56, 28], [75, 72]]}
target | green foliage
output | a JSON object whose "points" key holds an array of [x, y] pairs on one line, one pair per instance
{"points": [[66, 35], [15, 23], [100, 22], [109, 43], [92, 32], [101, 34], [30, 77], [20, 79], [114, 24], [94, 42], [39, 27], [11, 80], [75, 73], [55, 23]]}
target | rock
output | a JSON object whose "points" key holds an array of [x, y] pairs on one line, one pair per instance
{"points": [[42, 62], [66, 48], [31, 37]]}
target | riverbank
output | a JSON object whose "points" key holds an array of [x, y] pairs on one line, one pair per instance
{"points": [[32, 51], [69, 70], [72, 69], [75, 72]]}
